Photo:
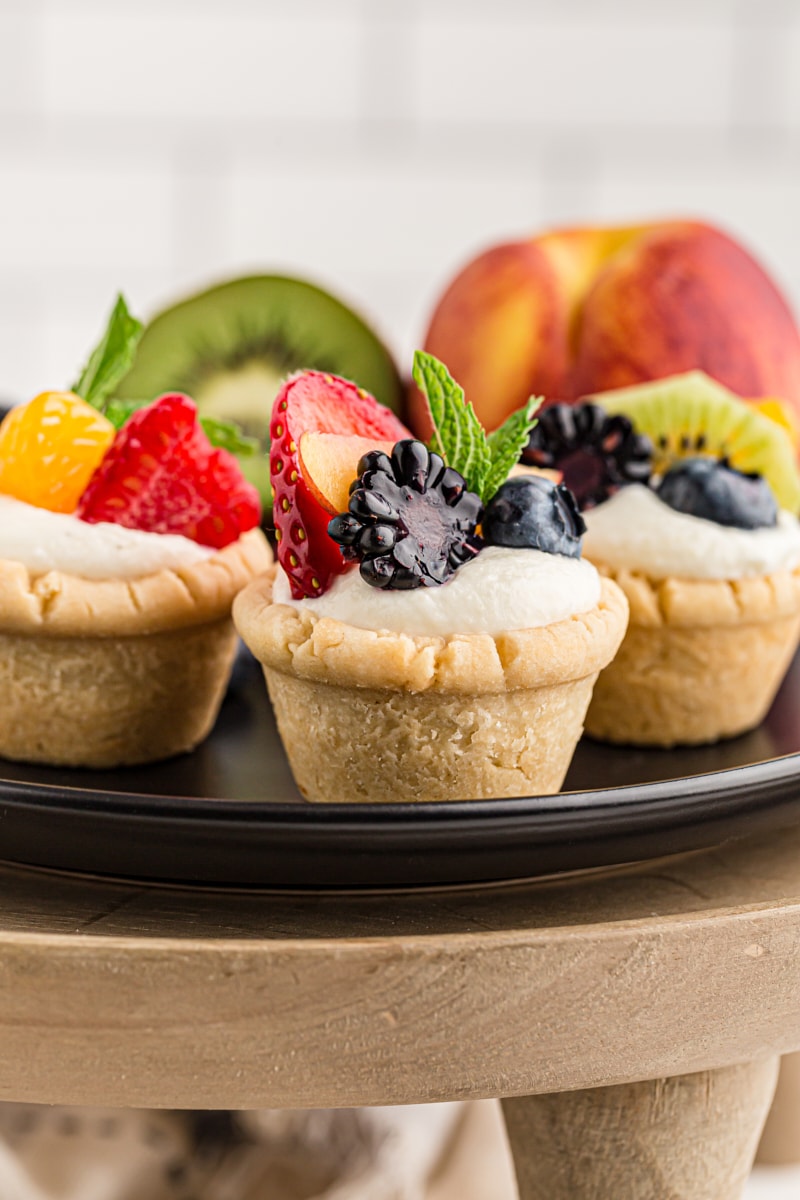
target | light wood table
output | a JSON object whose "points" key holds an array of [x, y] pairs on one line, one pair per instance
{"points": [[633, 1021]]}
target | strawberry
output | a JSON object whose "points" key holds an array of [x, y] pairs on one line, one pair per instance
{"points": [[161, 474], [313, 401]]}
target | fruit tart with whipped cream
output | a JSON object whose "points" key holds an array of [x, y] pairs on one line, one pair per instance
{"points": [[124, 537], [689, 495], [430, 631]]}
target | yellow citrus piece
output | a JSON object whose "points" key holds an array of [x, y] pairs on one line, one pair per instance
{"points": [[49, 449], [780, 412]]}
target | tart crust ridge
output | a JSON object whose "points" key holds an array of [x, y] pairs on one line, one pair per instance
{"points": [[297, 642], [62, 605]]}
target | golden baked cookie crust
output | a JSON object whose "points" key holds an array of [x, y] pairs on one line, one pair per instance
{"points": [[376, 717], [113, 673], [701, 660], [55, 604], [707, 603], [296, 641]]}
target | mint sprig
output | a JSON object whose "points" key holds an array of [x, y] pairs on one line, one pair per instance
{"points": [[459, 436], [111, 358], [507, 443]]}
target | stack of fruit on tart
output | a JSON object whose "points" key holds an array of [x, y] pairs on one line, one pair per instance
{"points": [[430, 629], [689, 497], [124, 537]]}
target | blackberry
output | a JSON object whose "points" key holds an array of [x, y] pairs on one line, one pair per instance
{"points": [[411, 520], [711, 488], [597, 454], [530, 511]]}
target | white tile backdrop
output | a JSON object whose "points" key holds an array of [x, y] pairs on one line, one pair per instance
{"points": [[371, 144]]}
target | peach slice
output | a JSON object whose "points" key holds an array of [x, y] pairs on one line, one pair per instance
{"points": [[329, 463]]}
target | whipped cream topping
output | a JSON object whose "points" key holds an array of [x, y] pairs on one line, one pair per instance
{"points": [[47, 541], [636, 531], [501, 589]]}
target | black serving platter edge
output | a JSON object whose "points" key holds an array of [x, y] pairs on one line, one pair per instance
{"points": [[229, 815]]}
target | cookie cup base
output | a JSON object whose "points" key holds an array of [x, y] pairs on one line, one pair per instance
{"points": [[368, 716], [701, 660], [368, 745], [115, 672], [109, 702]]}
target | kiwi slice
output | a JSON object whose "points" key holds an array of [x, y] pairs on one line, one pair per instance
{"points": [[689, 415], [230, 348]]}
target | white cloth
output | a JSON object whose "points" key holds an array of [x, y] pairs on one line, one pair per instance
{"points": [[133, 1154]]}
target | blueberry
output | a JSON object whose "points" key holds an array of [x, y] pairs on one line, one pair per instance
{"points": [[531, 511], [711, 489]]}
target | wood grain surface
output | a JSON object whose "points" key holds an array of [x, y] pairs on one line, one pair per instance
{"points": [[780, 1144], [693, 1137], [114, 993]]}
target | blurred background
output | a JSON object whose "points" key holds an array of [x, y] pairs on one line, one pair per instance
{"points": [[372, 145]]}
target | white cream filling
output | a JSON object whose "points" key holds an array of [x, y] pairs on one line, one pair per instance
{"points": [[636, 531], [501, 589], [47, 541]]}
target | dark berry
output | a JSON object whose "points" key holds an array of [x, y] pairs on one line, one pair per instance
{"points": [[710, 488], [411, 520], [597, 454], [531, 511]]}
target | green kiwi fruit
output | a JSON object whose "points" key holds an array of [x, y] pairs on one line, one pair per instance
{"points": [[689, 415], [230, 348]]}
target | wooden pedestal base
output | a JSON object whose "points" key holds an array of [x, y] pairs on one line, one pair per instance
{"points": [[780, 1143], [692, 1137]]}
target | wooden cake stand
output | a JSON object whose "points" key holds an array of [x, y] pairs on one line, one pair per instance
{"points": [[631, 1020]]}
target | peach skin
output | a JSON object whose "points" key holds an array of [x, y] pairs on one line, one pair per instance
{"points": [[579, 311]]}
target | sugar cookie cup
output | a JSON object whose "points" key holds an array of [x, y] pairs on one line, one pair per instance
{"points": [[108, 673], [368, 717], [702, 658]]}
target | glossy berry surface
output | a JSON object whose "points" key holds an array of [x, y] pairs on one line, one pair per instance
{"points": [[711, 489], [534, 513], [597, 454], [162, 475], [314, 401], [411, 520], [49, 449]]}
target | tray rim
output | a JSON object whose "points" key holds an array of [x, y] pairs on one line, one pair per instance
{"points": [[151, 806]]}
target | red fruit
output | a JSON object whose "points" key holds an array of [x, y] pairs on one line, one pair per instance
{"points": [[161, 474], [313, 401]]}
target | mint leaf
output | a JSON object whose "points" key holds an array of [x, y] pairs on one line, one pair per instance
{"points": [[459, 436], [111, 358], [457, 433], [118, 411], [227, 435], [506, 445]]}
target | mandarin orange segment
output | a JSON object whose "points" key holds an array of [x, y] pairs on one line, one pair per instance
{"points": [[50, 448]]}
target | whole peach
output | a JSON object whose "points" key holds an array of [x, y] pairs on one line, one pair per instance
{"points": [[578, 311]]}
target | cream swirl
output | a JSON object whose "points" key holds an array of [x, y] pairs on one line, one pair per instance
{"points": [[636, 531], [47, 541], [501, 589]]}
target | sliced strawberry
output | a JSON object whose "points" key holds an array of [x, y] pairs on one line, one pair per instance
{"points": [[313, 401], [161, 474]]}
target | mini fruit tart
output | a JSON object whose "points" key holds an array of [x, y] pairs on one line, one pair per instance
{"points": [[689, 496], [430, 631], [121, 551]]}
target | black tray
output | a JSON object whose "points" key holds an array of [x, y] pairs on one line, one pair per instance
{"points": [[230, 815]]}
